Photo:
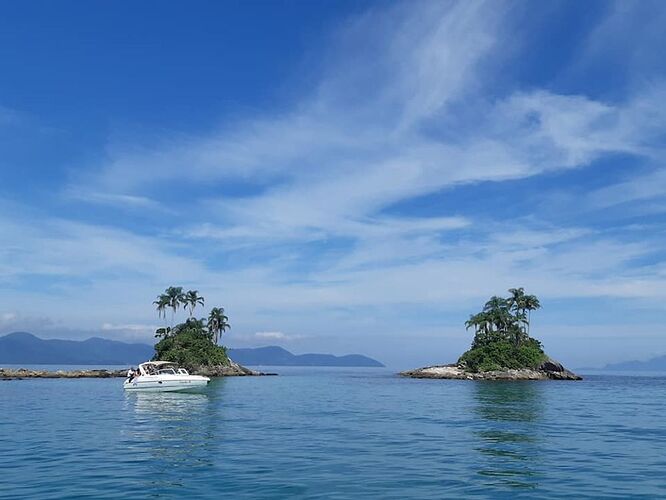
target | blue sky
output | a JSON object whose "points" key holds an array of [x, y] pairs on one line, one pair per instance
{"points": [[340, 176]]}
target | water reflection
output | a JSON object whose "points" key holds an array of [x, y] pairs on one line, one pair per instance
{"points": [[172, 433], [166, 405], [509, 413]]}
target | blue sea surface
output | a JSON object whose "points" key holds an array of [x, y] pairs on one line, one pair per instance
{"points": [[335, 433]]}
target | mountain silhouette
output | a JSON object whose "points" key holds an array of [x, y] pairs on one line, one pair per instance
{"points": [[654, 364], [26, 348], [22, 347], [277, 356]]}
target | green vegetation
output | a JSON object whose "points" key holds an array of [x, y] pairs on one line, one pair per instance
{"points": [[192, 343], [501, 335], [503, 355]]}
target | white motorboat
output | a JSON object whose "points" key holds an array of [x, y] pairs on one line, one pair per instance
{"points": [[163, 376]]}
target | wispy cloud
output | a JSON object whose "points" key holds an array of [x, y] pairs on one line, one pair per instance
{"points": [[129, 327], [123, 201], [7, 317], [647, 186], [276, 336]]}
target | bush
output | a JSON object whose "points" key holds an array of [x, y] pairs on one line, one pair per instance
{"points": [[503, 355], [190, 346]]}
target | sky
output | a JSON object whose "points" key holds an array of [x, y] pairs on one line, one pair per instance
{"points": [[348, 176]]}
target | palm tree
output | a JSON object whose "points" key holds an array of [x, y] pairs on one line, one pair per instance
{"points": [[473, 321], [176, 299], [217, 322], [192, 299], [498, 311], [517, 303], [496, 303], [531, 304], [517, 299], [480, 322], [162, 303]]}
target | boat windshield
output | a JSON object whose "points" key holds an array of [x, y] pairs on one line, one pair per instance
{"points": [[160, 368]]}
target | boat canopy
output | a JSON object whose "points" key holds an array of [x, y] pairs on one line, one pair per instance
{"points": [[150, 367], [158, 363]]}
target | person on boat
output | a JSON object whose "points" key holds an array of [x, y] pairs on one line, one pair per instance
{"points": [[132, 374]]}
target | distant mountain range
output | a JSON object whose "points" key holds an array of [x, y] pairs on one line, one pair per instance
{"points": [[654, 364], [22, 347], [25, 348], [277, 356]]}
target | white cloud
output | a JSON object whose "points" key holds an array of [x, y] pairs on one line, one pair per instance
{"points": [[7, 317], [124, 201], [17, 321], [276, 336], [129, 328], [639, 188], [339, 189], [259, 339], [58, 247]]}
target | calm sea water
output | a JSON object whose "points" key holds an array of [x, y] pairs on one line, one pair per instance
{"points": [[335, 433]]}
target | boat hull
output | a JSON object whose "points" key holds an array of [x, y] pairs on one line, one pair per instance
{"points": [[166, 384]]}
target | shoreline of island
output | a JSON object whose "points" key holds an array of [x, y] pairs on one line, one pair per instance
{"points": [[231, 370], [549, 370]]}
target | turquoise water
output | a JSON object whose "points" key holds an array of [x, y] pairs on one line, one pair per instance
{"points": [[335, 433]]}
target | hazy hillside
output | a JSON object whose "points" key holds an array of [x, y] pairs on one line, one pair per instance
{"points": [[277, 356], [22, 347], [654, 364]]}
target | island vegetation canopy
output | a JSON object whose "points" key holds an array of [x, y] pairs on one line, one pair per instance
{"points": [[193, 343], [502, 335]]}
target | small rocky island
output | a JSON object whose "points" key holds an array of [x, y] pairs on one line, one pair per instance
{"points": [[502, 348], [192, 344]]}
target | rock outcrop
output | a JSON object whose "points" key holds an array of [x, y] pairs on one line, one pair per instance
{"points": [[12, 374], [548, 370], [232, 370]]}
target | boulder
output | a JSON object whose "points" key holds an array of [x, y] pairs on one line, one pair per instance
{"points": [[550, 365], [556, 371]]}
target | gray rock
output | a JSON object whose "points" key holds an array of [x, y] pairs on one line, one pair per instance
{"points": [[550, 365], [231, 370], [13, 374], [549, 370], [556, 371]]}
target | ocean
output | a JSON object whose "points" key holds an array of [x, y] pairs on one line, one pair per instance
{"points": [[335, 433]]}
